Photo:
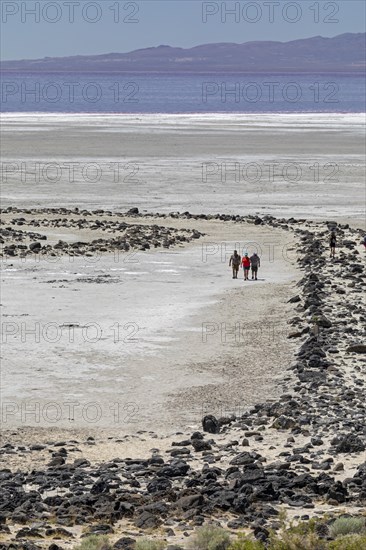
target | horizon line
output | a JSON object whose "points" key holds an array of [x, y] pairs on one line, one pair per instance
{"points": [[179, 47]]}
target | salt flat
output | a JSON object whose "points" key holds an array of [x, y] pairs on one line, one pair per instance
{"points": [[167, 337], [304, 165]]}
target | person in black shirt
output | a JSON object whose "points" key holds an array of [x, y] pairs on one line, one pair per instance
{"points": [[255, 263], [332, 243]]}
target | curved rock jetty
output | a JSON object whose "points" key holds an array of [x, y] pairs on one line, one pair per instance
{"points": [[305, 452], [126, 236]]}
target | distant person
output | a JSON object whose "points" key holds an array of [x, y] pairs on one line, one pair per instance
{"points": [[246, 266], [255, 263], [234, 262], [332, 243]]}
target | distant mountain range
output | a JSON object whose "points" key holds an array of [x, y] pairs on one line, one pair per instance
{"points": [[343, 53]]}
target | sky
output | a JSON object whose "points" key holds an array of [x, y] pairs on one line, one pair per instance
{"points": [[33, 29]]}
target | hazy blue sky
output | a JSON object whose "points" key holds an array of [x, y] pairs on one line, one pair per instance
{"points": [[66, 27]]}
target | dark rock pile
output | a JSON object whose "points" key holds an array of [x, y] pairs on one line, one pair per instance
{"points": [[127, 236]]}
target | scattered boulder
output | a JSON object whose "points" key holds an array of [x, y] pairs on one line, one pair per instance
{"points": [[349, 443], [146, 520], [357, 348], [210, 424]]}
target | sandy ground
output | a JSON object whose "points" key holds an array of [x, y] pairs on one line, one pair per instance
{"points": [[187, 341], [286, 165]]}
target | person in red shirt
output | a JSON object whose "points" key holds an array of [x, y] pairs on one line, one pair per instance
{"points": [[246, 266]]}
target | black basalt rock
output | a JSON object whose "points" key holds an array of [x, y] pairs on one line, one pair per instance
{"points": [[210, 424]]}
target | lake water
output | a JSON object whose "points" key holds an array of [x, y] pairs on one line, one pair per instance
{"points": [[132, 93]]}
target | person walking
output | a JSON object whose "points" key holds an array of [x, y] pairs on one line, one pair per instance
{"points": [[255, 263], [332, 243], [246, 266], [234, 262]]}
